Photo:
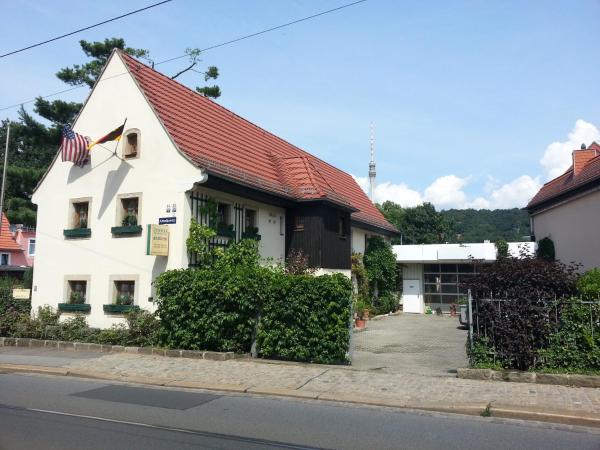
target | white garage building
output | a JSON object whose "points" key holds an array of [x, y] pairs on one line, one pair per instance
{"points": [[432, 273]]}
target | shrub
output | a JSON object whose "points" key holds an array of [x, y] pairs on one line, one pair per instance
{"points": [[386, 303], [589, 284], [380, 263], [575, 346], [502, 248], [306, 318], [546, 249], [142, 328]]}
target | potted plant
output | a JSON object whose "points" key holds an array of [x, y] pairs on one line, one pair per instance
{"points": [[76, 298], [130, 219], [251, 233]]}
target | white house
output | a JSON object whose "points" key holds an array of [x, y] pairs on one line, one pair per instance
{"points": [[567, 210], [432, 273], [181, 155]]}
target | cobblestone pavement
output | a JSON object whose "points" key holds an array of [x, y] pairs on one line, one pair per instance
{"points": [[409, 390], [412, 344]]}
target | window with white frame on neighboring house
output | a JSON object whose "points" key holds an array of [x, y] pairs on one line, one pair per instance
{"points": [[31, 247], [4, 259], [131, 144]]}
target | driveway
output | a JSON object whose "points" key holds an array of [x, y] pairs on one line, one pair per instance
{"points": [[413, 344]]}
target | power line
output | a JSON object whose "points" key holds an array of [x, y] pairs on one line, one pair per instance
{"points": [[222, 44], [84, 29]]}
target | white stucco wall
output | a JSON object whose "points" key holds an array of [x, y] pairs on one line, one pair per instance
{"points": [[161, 175], [573, 226], [358, 240]]}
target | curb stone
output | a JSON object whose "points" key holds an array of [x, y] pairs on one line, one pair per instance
{"points": [[566, 417], [561, 379], [103, 348]]}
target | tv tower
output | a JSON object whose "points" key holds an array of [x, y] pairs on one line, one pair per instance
{"points": [[372, 172]]}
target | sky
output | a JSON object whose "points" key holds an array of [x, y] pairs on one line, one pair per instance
{"points": [[475, 104]]}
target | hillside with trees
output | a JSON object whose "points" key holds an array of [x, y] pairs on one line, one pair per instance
{"points": [[424, 225]]}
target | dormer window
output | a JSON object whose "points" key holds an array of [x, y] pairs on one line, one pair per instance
{"points": [[131, 144]]}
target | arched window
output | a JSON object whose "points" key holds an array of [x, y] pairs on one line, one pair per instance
{"points": [[131, 143]]}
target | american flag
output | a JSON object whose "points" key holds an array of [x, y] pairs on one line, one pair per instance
{"points": [[74, 147]]}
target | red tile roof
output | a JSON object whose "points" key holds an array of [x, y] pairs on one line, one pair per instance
{"points": [[588, 172], [227, 145], [7, 241]]}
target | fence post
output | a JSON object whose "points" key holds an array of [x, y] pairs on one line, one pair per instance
{"points": [[470, 319]]}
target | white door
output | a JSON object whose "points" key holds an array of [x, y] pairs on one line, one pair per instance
{"points": [[411, 296]]}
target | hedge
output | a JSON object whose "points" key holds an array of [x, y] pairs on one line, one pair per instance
{"points": [[296, 317]]}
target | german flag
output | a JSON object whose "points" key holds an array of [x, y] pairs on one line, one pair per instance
{"points": [[114, 135]]}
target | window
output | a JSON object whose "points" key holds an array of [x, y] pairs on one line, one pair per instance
{"points": [[77, 292], [124, 292], [223, 215], [298, 223], [443, 283], [31, 247], [4, 259], [281, 225], [129, 211], [250, 223], [131, 144], [79, 214]]}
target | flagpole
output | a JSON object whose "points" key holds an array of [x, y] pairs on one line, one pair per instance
{"points": [[4, 173]]}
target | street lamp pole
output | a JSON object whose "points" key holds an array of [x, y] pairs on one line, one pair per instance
{"points": [[4, 174]]}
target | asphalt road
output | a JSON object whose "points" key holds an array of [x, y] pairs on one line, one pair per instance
{"points": [[43, 412]]}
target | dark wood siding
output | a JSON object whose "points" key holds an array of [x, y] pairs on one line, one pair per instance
{"points": [[315, 229]]}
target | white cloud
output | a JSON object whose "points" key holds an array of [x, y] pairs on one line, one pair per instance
{"points": [[557, 157], [478, 203], [447, 192], [397, 193], [516, 193]]}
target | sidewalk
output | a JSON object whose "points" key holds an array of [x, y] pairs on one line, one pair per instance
{"points": [[577, 406]]}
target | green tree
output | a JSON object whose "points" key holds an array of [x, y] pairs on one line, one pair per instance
{"points": [[472, 225], [419, 225]]}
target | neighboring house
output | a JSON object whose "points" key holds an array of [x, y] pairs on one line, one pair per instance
{"points": [[432, 273], [13, 257], [25, 237], [567, 210], [181, 155]]}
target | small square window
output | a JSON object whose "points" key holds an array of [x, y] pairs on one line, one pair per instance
{"points": [[124, 292], [129, 211], [80, 214], [4, 259], [250, 223], [131, 144], [298, 223], [77, 292], [31, 247]]}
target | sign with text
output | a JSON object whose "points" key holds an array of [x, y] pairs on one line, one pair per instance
{"points": [[167, 220], [158, 240], [21, 294]]}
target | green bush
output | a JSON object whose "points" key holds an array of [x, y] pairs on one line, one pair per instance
{"points": [[546, 249], [208, 309], [576, 344], [306, 318], [589, 284], [386, 303]]}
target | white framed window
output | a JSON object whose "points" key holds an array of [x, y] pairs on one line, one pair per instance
{"points": [[124, 289], [129, 210], [131, 143], [4, 259], [76, 289], [31, 247]]}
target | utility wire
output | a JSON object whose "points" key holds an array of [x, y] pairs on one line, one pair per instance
{"points": [[222, 44], [83, 29]]}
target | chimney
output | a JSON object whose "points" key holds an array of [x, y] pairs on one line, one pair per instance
{"points": [[583, 156]]}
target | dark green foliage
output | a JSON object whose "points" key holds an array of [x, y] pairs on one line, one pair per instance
{"points": [[210, 309], [502, 248], [380, 264], [545, 249], [418, 225], [471, 225], [306, 318], [575, 346], [589, 284], [12, 312], [385, 303]]}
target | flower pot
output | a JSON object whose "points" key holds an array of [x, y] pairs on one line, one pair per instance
{"points": [[366, 314], [360, 323]]}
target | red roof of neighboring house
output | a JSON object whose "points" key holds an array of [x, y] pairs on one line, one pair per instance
{"points": [[7, 241], [227, 145], [588, 171]]}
